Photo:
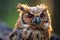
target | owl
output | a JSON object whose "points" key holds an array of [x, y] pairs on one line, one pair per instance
{"points": [[34, 23]]}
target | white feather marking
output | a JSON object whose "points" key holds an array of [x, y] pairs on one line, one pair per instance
{"points": [[25, 25], [46, 25]]}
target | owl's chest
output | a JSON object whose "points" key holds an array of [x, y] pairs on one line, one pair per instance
{"points": [[34, 35]]}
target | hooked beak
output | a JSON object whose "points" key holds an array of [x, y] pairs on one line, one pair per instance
{"points": [[36, 20]]}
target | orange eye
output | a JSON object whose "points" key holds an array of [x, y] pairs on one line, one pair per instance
{"points": [[42, 15], [30, 15]]}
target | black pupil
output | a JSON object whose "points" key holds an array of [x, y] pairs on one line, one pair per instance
{"points": [[42, 15], [30, 15]]}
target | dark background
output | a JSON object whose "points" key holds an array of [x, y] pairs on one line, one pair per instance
{"points": [[56, 16], [9, 14]]}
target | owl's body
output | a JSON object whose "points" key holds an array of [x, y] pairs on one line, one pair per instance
{"points": [[34, 23]]}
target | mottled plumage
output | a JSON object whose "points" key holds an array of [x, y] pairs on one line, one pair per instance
{"points": [[34, 23]]}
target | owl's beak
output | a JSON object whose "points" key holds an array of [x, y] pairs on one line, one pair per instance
{"points": [[36, 20]]}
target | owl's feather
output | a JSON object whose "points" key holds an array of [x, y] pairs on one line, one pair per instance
{"points": [[34, 23]]}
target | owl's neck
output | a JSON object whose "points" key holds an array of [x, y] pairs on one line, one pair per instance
{"points": [[31, 34]]}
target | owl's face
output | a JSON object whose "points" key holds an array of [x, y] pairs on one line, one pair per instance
{"points": [[35, 17]]}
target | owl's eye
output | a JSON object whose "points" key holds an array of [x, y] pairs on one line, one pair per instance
{"points": [[42, 15], [30, 15]]}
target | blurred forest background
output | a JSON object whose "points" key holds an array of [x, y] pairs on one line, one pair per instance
{"points": [[9, 14]]}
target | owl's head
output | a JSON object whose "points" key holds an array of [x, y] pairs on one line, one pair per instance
{"points": [[36, 17]]}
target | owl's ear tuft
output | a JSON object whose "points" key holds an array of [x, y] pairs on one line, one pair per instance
{"points": [[22, 7], [44, 6]]}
